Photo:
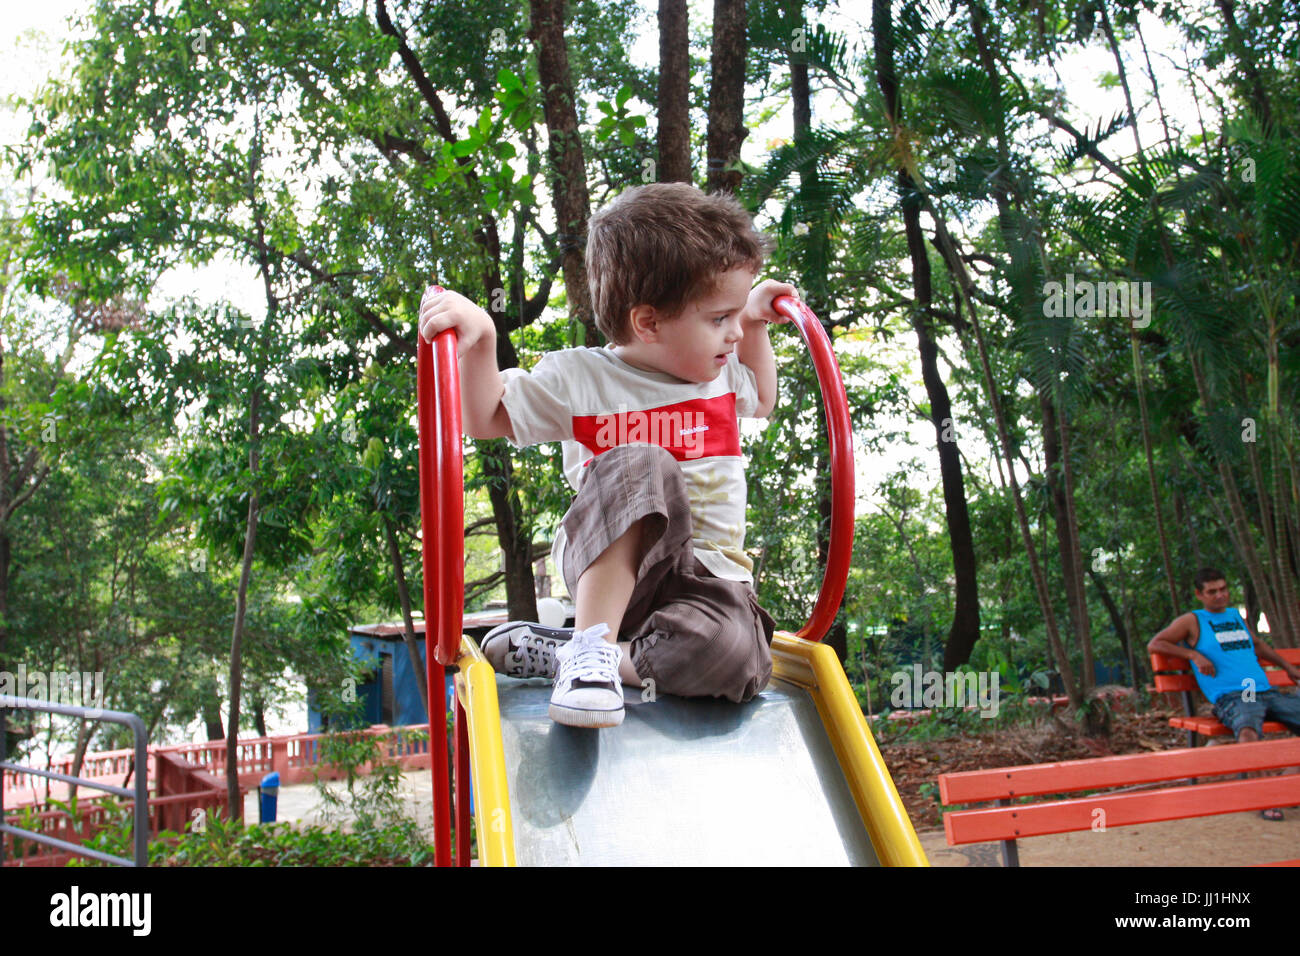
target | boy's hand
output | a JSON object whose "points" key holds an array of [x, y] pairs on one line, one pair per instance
{"points": [[759, 307], [440, 311]]}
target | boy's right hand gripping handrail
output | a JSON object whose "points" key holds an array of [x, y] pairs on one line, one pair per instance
{"points": [[836, 405]]}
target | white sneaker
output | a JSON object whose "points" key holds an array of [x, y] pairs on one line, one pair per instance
{"points": [[588, 691]]}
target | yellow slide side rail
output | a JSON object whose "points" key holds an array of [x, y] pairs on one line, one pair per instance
{"points": [[816, 668], [476, 688]]}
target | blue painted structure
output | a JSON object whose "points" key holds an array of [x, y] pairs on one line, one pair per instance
{"points": [[392, 694]]}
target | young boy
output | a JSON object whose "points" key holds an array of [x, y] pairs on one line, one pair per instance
{"points": [[652, 548]]}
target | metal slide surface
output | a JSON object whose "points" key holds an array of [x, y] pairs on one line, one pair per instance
{"points": [[679, 783]]}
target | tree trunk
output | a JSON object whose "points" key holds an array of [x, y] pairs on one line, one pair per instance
{"points": [[241, 606], [516, 546], [1243, 535], [1084, 631], [4, 592], [408, 622], [727, 94], [212, 712], [236, 805], [965, 285], [1116, 619], [674, 132], [85, 731], [568, 169], [965, 628], [4, 514], [1071, 553], [1249, 68]]}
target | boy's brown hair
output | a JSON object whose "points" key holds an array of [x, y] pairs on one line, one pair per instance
{"points": [[664, 245]]}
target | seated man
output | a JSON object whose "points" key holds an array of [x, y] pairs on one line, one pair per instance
{"points": [[1224, 656]]}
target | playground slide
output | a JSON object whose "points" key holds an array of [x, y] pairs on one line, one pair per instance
{"points": [[791, 777]]}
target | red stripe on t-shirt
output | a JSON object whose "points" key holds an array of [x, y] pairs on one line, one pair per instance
{"points": [[699, 428]]}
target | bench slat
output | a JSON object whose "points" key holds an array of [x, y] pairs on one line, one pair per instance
{"points": [[1179, 670], [973, 786], [1210, 726], [1126, 809]]}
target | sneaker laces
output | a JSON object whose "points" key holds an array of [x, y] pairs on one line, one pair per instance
{"points": [[589, 656]]}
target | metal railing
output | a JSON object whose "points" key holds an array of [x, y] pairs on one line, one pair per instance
{"points": [[140, 795]]}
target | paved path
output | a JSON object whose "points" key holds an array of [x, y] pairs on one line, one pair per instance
{"points": [[1229, 839], [302, 802]]}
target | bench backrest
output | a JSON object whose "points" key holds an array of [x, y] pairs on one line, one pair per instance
{"points": [[1094, 773], [1174, 674]]}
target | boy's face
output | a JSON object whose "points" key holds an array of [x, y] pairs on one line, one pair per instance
{"points": [[694, 345]]}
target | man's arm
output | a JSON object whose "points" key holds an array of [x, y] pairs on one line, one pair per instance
{"points": [[755, 349], [1263, 650], [483, 414], [1184, 628]]}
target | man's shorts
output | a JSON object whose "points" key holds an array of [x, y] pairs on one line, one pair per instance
{"points": [[1237, 714], [693, 634]]}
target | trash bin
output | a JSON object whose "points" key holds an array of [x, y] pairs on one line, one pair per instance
{"points": [[268, 793]]}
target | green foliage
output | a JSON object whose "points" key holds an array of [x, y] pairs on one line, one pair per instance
{"points": [[230, 843]]}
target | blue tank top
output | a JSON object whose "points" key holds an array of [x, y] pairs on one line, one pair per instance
{"points": [[1226, 642]]}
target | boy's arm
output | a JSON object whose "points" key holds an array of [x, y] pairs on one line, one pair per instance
{"points": [[755, 349], [483, 414]]}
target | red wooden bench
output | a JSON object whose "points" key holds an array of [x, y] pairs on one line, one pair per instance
{"points": [[1170, 799], [1173, 675]]}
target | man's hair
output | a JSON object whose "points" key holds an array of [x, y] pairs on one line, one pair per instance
{"points": [[1206, 575], [665, 245]]}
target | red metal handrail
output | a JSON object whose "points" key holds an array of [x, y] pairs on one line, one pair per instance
{"points": [[442, 500], [836, 405]]}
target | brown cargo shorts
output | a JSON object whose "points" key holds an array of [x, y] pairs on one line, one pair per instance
{"points": [[692, 633]]}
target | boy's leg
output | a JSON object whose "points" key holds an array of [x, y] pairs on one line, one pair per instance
{"points": [[629, 521], [604, 590], [705, 637], [629, 518]]}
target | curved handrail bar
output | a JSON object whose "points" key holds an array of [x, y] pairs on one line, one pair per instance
{"points": [[442, 549], [442, 493], [840, 551]]}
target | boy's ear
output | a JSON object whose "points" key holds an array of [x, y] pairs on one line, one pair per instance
{"points": [[644, 321]]}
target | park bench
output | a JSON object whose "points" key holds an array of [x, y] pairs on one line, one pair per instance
{"points": [[1173, 675], [1151, 789]]}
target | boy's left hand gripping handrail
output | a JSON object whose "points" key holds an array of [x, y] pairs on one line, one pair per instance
{"points": [[442, 526]]}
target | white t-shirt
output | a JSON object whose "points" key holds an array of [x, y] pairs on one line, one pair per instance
{"points": [[591, 400]]}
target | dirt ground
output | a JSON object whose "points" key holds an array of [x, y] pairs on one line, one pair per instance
{"points": [[1236, 839]]}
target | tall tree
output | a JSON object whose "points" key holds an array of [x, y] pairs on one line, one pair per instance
{"points": [[567, 167], [673, 107], [727, 128], [964, 630]]}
